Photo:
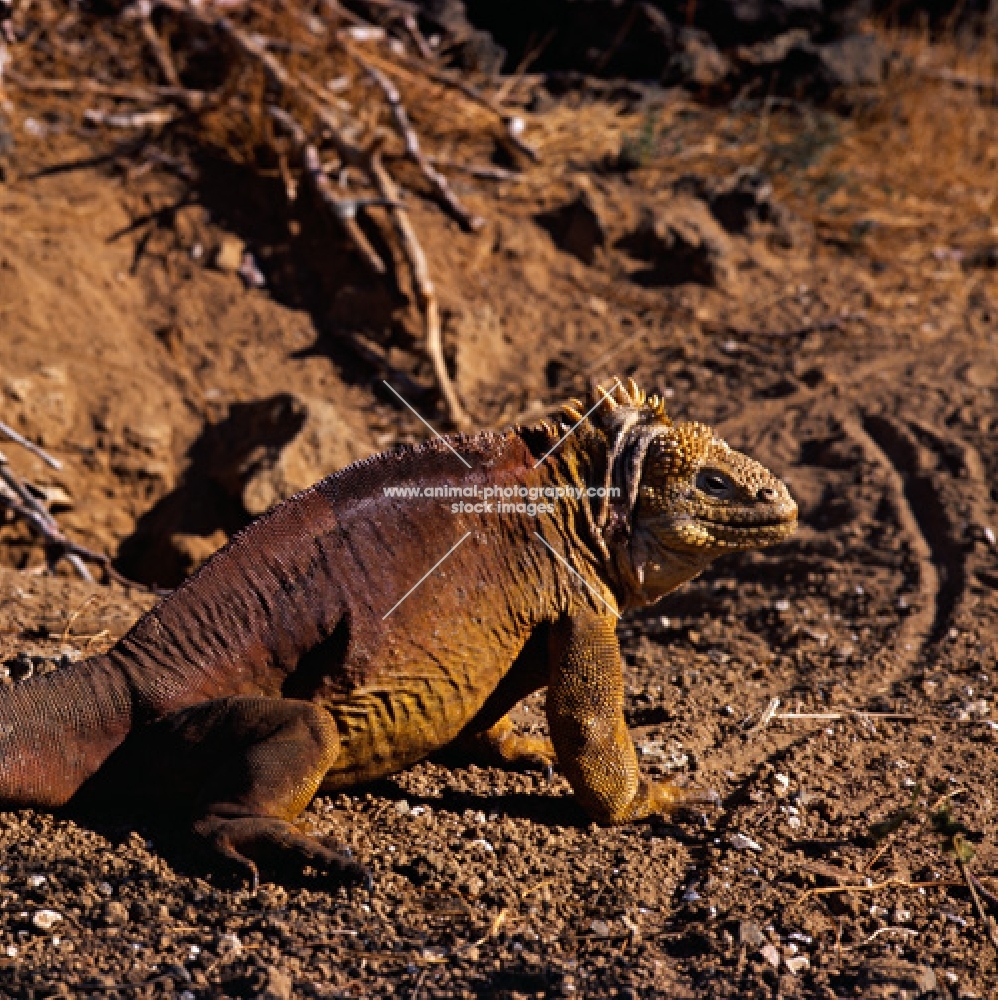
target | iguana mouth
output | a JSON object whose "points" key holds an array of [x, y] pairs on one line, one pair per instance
{"points": [[762, 532], [786, 521]]}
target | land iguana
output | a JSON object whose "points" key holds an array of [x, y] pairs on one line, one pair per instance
{"points": [[348, 632]]}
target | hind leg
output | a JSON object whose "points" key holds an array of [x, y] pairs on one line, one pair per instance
{"points": [[243, 768]]}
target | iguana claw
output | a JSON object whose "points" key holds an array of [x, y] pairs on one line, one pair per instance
{"points": [[246, 840]]}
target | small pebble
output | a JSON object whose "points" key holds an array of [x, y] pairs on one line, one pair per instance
{"points": [[771, 955], [45, 920], [115, 913], [250, 273], [229, 944]]}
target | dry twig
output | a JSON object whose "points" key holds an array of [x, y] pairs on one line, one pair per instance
{"points": [[142, 11], [136, 119], [17, 498], [195, 99], [987, 921], [440, 184], [425, 291], [52, 463], [369, 161], [312, 117], [512, 124], [891, 883], [344, 210], [904, 931]]}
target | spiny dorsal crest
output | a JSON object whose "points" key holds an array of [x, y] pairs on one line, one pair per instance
{"points": [[615, 394]]}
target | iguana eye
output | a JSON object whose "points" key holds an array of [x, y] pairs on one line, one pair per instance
{"points": [[714, 483]]}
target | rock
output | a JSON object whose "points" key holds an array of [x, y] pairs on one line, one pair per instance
{"points": [[250, 272], [697, 61], [771, 955], [45, 920], [193, 550], [898, 976], [576, 227], [277, 985], [43, 405], [115, 913], [684, 243], [250, 438], [858, 60], [54, 496], [230, 944], [473, 49], [797, 65], [261, 453], [229, 255], [750, 935], [742, 843], [326, 442]]}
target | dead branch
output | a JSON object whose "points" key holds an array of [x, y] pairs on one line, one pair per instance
{"points": [[370, 162], [142, 11], [344, 210], [306, 112], [425, 292], [512, 124], [17, 498], [194, 99], [336, 9], [135, 120], [402, 121], [476, 170], [52, 463], [987, 922]]}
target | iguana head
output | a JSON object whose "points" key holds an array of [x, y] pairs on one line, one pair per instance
{"points": [[684, 497]]}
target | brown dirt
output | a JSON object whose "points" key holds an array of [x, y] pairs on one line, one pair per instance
{"points": [[851, 344]]}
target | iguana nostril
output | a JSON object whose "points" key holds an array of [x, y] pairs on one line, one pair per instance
{"points": [[767, 494]]}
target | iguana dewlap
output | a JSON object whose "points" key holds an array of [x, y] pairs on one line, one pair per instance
{"points": [[348, 632]]}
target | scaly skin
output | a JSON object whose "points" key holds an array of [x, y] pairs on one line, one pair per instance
{"points": [[290, 661]]}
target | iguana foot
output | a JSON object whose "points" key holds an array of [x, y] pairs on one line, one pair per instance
{"points": [[502, 745], [245, 841], [663, 797]]}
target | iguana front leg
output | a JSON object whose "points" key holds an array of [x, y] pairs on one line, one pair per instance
{"points": [[586, 717]]}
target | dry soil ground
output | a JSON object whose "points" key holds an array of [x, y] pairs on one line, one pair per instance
{"points": [[851, 344]]}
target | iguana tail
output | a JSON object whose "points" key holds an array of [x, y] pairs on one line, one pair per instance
{"points": [[58, 729]]}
